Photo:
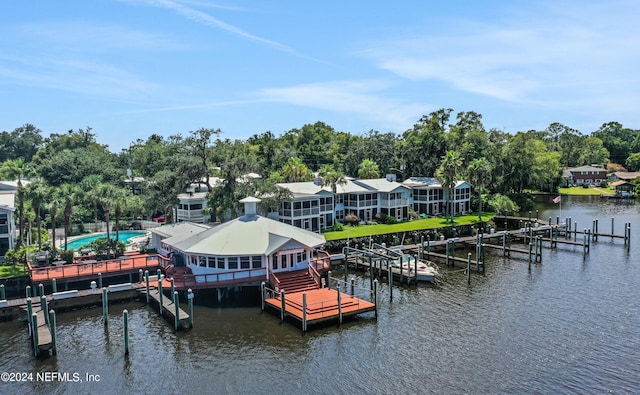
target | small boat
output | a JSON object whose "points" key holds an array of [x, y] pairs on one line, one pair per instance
{"points": [[426, 271]]}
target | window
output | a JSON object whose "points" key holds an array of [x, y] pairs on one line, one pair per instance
{"points": [[256, 262], [197, 206], [274, 261], [233, 263], [284, 261], [220, 262], [245, 262], [211, 262], [202, 261]]}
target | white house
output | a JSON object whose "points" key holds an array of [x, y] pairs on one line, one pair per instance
{"points": [[250, 245], [7, 222]]}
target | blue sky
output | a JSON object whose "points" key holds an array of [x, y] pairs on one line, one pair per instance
{"points": [[131, 68]]}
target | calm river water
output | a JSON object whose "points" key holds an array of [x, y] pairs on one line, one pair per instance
{"points": [[571, 325]]}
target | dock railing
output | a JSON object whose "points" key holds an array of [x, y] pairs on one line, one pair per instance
{"points": [[222, 279], [130, 263]]}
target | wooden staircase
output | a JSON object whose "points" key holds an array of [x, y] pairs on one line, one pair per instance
{"points": [[297, 281]]}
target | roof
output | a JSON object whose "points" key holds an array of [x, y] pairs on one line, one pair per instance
{"points": [[627, 175], [380, 184], [247, 235], [587, 168], [183, 228], [193, 196], [302, 189], [7, 201], [418, 182], [618, 183]]}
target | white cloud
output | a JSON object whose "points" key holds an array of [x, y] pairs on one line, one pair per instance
{"points": [[364, 99], [555, 56], [204, 18]]}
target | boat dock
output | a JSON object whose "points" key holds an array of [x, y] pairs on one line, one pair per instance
{"points": [[317, 306], [168, 309]]}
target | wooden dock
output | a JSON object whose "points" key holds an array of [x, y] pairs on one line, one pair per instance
{"points": [[44, 332], [319, 305], [168, 309]]}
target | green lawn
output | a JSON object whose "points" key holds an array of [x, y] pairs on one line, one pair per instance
{"points": [[579, 191], [7, 271], [419, 224]]}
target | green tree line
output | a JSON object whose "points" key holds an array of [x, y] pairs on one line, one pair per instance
{"points": [[79, 180]]}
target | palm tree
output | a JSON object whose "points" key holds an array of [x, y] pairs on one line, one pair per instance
{"points": [[17, 169], [69, 193], [296, 171], [479, 175], [53, 203], [36, 191], [108, 197], [90, 186], [447, 174], [368, 170], [119, 200]]}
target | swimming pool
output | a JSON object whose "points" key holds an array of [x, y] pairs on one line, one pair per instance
{"points": [[124, 235]]}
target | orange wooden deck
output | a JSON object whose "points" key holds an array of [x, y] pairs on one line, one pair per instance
{"points": [[113, 267], [322, 305]]}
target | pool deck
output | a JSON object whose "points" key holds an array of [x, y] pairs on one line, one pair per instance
{"points": [[129, 264]]}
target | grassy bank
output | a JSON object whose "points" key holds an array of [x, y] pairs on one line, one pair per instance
{"points": [[419, 224], [579, 191], [7, 271]]}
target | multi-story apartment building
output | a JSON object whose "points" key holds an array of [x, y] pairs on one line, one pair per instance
{"points": [[7, 223], [430, 198], [314, 207]]}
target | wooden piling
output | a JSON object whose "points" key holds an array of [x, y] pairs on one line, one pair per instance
{"points": [[146, 282], [190, 303], [44, 307], [304, 310], [100, 280], [339, 306], [530, 257], [40, 290], [140, 276], [52, 327], [390, 278], [34, 334], [176, 304], [375, 296], [263, 295], [469, 268], [282, 305], [29, 314], [125, 319], [105, 306], [2, 292], [160, 295], [353, 285], [54, 286]]}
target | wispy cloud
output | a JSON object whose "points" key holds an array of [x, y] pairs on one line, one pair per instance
{"points": [[555, 56], [364, 99], [92, 37], [209, 20]]}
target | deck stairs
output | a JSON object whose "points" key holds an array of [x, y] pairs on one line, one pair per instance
{"points": [[296, 281]]}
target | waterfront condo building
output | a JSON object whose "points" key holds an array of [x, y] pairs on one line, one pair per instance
{"points": [[315, 207]]}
